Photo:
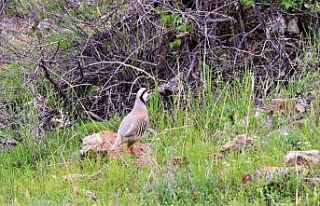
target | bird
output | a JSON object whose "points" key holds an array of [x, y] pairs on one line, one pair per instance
{"points": [[135, 123]]}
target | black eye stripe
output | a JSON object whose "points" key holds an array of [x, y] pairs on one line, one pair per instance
{"points": [[141, 96]]}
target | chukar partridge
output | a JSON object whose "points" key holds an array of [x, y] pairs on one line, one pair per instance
{"points": [[135, 123]]}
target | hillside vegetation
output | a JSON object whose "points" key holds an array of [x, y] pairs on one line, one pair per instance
{"points": [[236, 87]]}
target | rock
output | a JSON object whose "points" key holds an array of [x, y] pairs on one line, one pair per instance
{"points": [[7, 143], [313, 183], [90, 195], [301, 105], [279, 25], [273, 173], [5, 116], [173, 86], [74, 4], [99, 142], [238, 143], [46, 24], [269, 121], [302, 157], [293, 26], [278, 104], [102, 142]]}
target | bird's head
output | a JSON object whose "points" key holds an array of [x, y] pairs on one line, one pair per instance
{"points": [[144, 94]]}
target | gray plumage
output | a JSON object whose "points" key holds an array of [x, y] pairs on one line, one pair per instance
{"points": [[135, 123]]}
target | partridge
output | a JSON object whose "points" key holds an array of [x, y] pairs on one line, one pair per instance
{"points": [[135, 123]]}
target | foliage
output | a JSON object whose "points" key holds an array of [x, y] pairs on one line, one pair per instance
{"points": [[176, 22], [298, 4], [64, 40], [176, 43], [247, 2], [289, 4], [12, 84]]}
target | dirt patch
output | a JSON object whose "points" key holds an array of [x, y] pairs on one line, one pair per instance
{"points": [[13, 38]]}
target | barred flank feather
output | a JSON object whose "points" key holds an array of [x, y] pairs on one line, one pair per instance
{"points": [[142, 128]]}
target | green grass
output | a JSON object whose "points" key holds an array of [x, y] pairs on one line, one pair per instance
{"points": [[34, 174], [48, 8]]}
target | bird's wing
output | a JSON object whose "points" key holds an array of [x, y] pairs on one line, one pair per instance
{"points": [[137, 126]]}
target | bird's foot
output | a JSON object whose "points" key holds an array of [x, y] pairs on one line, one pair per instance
{"points": [[131, 150]]}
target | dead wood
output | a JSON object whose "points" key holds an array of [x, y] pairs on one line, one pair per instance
{"points": [[143, 45]]}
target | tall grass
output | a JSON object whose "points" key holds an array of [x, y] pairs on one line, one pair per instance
{"points": [[33, 174]]}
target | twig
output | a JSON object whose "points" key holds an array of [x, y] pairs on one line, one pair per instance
{"points": [[123, 64], [94, 116], [3, 7], [53, 82]]}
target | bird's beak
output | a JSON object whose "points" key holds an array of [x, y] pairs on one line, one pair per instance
{"points": [[149, 92]]}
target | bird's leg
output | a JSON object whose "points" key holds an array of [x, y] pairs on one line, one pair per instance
{"points": [[116, 144], [130, 147]]}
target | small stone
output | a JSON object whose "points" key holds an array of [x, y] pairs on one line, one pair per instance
{"points": [[7, 143], [279, 25], [302, 157], [278, 104], [90, 195], [293, 26], [301, 105], [238, 143], [173, 86], [270, 174]]}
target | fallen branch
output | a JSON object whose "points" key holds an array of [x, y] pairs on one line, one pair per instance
{"points": [[52, 81]]}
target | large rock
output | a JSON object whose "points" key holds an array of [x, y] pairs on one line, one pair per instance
{"points": [[99, 142], [102, 142]]}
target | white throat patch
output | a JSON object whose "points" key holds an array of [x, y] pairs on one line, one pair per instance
{"points": [[145, 96]]}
